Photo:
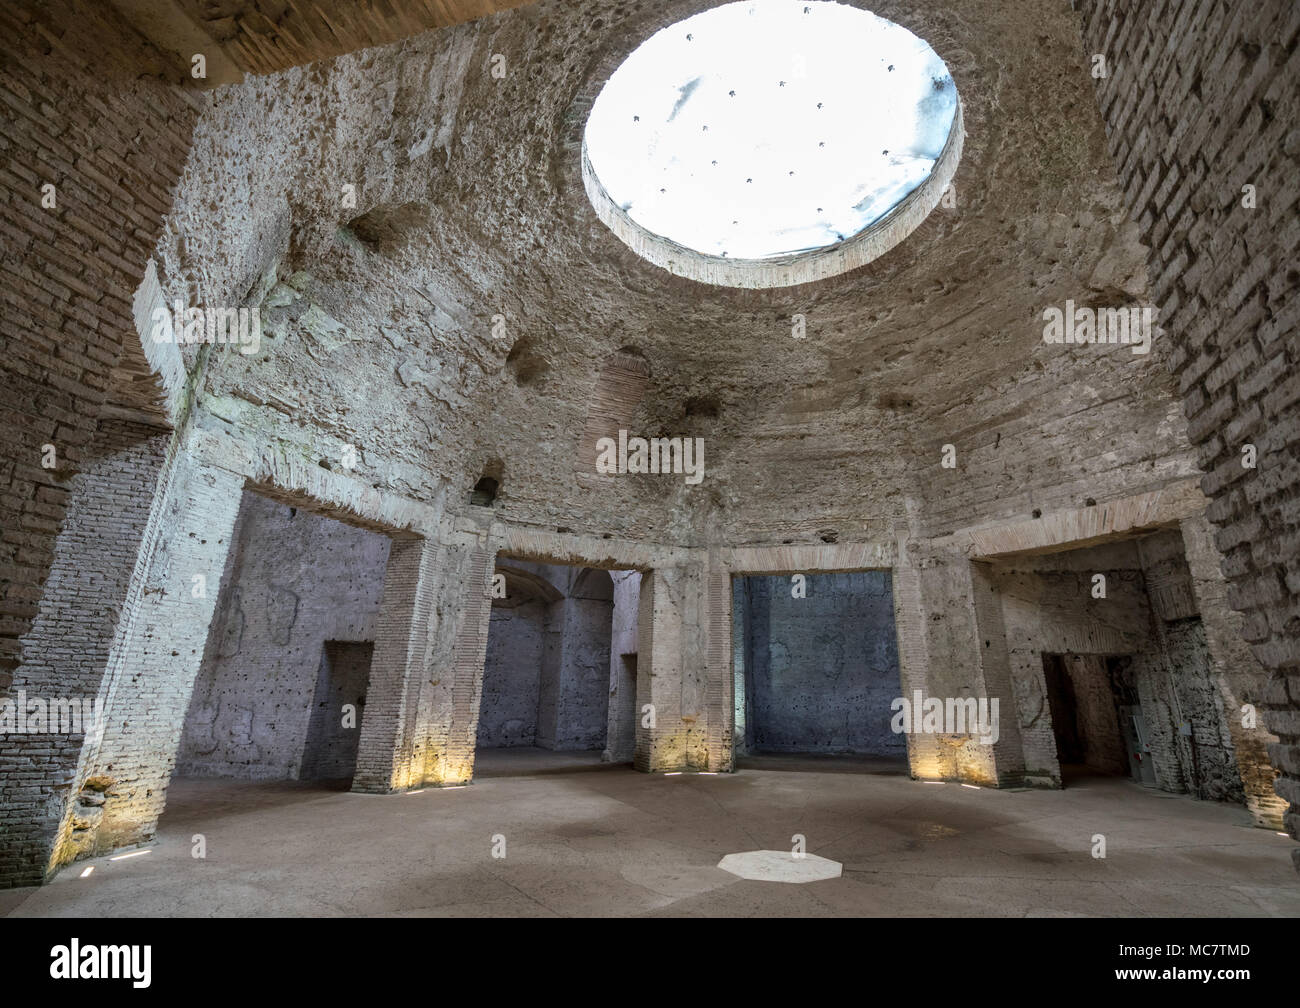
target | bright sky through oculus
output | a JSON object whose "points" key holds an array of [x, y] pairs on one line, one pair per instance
{"points": [[770, 127]]}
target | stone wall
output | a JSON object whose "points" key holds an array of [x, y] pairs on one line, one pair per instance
{"points": [[546, 676], [395, 301], [382, 343], [122, 777], [1238, 673], [294, 580], [821, 671], [512, 675], [1048, 608], [1200, 107], [1148, 613]]}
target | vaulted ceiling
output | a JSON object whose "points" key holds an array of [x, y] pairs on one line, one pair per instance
{"points": [[469, 207]]}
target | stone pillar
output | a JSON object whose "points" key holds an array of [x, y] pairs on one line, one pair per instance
{"points": [[995, 667], [671, 672], [426, 678], [719, 693], [966, 656], [923, 752], [156, 653], [452, 689], [1239, 675], [620, 740], [386, 748], [64, 655]]}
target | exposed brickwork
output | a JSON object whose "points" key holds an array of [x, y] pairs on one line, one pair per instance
{"points": [[384, 759], [546, 678], [81, 113], [619, 389], [573, 712], [377, 339], [159, 649], [71, 638], [454, 747], [923, 752], [519, 655], [623, 659], [820, 659], [1201, 101], [677, 739], [1048, 608], [719, 696], [1240, 677]]}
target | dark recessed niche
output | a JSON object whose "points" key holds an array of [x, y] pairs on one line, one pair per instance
{"points": [[485, 492], [702, 406], [386, 226], [525, 364], [897, 402]]}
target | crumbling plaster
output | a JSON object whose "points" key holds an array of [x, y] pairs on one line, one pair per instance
{"points": [[380, 318]]}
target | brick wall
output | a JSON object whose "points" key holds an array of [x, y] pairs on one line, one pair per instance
{"points": [[69, 643], [79, 112], [1048, 608], [157, 652], [546, 677], [1240, 676], [580, 712], [384, 757], [1200, 101]]}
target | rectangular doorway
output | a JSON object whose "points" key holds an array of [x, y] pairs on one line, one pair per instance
{"points": [[334, 731], [1097, 717]]}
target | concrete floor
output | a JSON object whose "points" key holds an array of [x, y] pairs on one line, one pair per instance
{"points": [[587, 839]]}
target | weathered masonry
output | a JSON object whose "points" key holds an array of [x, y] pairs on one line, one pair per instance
{"points": [[367, 538]]}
